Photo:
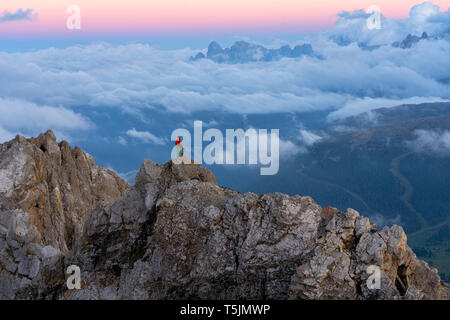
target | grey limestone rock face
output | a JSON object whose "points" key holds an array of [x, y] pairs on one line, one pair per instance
{"points": [[22, 258], [47, 192], [176, 234], [57, 185], [181, 236]]}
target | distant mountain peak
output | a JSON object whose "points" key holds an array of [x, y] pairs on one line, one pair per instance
{"points": [[244, 52], [410, 40]]}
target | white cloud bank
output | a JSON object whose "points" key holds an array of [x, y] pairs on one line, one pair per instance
{"points": [[308, 138], [145, 136], [425, 17], [136, 76], [27, 118], [289, 149], [431, 142], [358, 106], [348, 80]]}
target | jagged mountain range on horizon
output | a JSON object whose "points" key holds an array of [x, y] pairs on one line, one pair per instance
{"points": [[176, 234], [243, 52]]}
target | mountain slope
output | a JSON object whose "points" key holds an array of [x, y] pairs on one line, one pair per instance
{"points": [[390, 164], [176, 234]]}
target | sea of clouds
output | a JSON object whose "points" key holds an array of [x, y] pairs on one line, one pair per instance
{"points": [[425, 17], [42, 89], [430, 142]]}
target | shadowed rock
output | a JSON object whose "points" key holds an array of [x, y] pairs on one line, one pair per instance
{"points": [[56, 185], [176, 234]]}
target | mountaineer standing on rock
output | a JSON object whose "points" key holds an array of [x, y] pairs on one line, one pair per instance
{"points": [[179, 147]]}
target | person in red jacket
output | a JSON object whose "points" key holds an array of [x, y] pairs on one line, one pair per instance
{"points": [[179, 147]]}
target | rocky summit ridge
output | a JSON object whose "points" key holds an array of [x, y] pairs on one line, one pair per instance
{"points": [[176, 234]]}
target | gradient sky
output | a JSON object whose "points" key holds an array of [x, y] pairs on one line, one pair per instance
{"points": [[121, 18]]}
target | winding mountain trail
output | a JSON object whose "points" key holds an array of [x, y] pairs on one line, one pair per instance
{"points": [[406, 197]]}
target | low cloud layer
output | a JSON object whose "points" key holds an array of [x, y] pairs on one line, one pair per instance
{"points": [[431, 142], [289, 149], [27, 118], [358, 106], [129, 78], [308, 138], [137, 76], [143, 136], [425, 17], [380, 220]]}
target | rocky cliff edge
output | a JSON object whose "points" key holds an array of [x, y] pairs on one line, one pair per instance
{"points": [[176, 234]]}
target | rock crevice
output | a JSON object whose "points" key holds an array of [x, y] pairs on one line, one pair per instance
{"points": [[176, 234]]}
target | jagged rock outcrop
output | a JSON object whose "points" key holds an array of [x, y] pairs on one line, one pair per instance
{"points": [[176, 234], [56, 185], [47, 192]]}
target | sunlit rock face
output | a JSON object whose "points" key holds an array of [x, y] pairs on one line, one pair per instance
{"points": [[56, 185], [176, 234]]}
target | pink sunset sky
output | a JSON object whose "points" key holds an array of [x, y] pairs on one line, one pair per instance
{"points": [[195, 16]]}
